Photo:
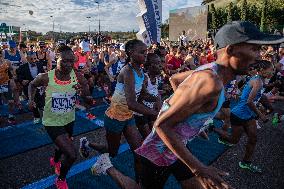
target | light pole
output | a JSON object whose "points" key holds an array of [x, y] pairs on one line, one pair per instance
{"points": [[88, 17], [99, 16], [52, 27]]}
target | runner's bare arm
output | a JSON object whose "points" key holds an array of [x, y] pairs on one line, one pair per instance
{"points": [[177, 79], [129, 88], [188, 100], [40, 80], [49, 63], [256, 86]]}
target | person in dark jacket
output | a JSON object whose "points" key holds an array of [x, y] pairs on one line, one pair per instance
{"points": [[26, 73]]}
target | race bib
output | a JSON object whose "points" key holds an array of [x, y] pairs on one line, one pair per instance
{"points": [[4, 88], [63, 102]]}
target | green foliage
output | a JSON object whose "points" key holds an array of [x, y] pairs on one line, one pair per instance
{"points": [[267, 14], [263, 24], [230, 12], [244, 10], [214, 22]]}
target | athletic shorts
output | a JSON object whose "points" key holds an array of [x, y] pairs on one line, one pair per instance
{"points": [[115, 126], [55, 131], [235, 120], [154, 176], [226, 104], [141, 120]]}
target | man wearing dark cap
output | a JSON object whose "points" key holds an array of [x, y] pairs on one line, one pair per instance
{"points": [[198, 96]]}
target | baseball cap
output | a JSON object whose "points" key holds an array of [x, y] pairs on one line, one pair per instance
{"points": [[244, 32], [12, 44]]}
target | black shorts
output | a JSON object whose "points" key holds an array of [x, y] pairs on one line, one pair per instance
{"points": [[235, 120], [226, 104], [154, 176], [141, 120], [55, 131]]}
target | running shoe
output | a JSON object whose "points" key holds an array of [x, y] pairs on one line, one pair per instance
{"points": [[37, 120], [55, 165], [61, 184], [250, 167], [84, 149], [221, 141], [102, 165]]}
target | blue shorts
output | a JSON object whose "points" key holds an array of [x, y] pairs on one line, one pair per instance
{"points": [[115, 126]]}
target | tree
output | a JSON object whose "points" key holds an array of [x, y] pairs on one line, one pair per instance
{"points": [[214, 23], [230, 12], [244, 10], [204, 2], [263, 26]]}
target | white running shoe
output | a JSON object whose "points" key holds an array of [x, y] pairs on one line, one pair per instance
{"points": [[84, 149], [102, 165], [257, 125], [37, 120]]}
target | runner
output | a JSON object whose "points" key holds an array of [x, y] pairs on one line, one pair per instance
{"points": [[152, 68], [119, 116], [114, 66], [59, 110], [14, 56], [5, 90], [245, 113], [42, 55]]}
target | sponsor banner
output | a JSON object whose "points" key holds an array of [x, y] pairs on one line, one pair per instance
{"points": [[150, 20]]}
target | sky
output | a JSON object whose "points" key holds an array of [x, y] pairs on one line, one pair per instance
{"points": [[71, 15]]}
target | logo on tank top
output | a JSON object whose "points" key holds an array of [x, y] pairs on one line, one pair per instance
{"points": [[63, 102]]}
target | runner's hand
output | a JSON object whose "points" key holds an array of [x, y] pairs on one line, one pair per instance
{"points": [[31, 105], [211, 178]]}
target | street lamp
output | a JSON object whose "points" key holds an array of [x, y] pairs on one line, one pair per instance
{"points": [[52, 27], [88, 17], [99, 16]]}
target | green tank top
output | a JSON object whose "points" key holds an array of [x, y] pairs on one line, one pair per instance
{"points": [[60, 98]]}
